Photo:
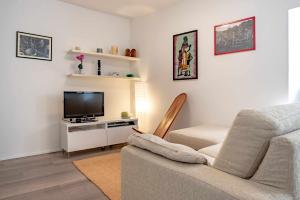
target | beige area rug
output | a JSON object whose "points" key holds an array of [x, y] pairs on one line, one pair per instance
{"points": [[104, 171]]}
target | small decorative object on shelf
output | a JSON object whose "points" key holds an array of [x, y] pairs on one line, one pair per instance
{"points": [[77, 48], [114, 50], [127, 52], [99, 67], [80, 66], [115, 74], [129, 75], [133, 53], [125, 115], [99, 50]]}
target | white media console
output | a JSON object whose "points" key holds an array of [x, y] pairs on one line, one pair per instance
{"points": [[81, 136]]}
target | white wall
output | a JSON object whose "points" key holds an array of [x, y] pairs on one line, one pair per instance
{"points": [[226, 83], [294, 58], [31, 90]]}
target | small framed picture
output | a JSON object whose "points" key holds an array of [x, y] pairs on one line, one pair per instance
{"points": [[34, 46], [237, 36], [185, 56]]}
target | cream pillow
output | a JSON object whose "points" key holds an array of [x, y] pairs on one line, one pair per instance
{"points": [[176, 152]]}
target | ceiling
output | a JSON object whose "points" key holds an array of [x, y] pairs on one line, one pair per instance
{"points": [[125, 8]]}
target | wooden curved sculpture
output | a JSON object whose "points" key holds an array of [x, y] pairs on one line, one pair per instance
{"points": [[170, 116]]}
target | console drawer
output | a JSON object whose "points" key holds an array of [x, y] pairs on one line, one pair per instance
{"points": [[117, 135], [87, 139]]}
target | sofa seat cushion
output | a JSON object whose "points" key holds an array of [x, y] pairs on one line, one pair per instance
{"points": [[199, 137], [176, 152], [249, 137], [212, 150], [147, 176]]}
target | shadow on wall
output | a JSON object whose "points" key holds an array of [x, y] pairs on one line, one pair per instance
{"points": [[48, 118], [183, 119]]}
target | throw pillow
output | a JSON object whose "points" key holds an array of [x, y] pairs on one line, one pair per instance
{"points": [[157, 145]]}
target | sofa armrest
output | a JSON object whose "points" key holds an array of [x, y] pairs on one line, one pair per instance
{"points": [[149, 176]]}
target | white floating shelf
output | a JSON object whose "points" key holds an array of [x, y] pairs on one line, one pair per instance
{"points": [[104, 77], [105, 55]]}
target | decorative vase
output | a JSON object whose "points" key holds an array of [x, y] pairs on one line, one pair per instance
{"points": [[80, 67], [114, 50]]}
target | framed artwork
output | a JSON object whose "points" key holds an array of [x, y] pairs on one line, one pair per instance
{"points": [[185, 56], [237, 36], [34, 46]]}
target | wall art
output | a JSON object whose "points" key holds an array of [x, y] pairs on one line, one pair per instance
{"points": [[185, 56], [34, 46], [237, 36]]}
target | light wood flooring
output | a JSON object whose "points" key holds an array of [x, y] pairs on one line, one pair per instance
{"points": [[48, 177]]}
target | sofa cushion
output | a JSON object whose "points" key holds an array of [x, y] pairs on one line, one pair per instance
{"points": [[249, 136], [169, 150], [198, 137], [281, 165]]}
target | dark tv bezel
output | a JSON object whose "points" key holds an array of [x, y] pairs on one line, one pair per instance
{"points": [[83, 116]]}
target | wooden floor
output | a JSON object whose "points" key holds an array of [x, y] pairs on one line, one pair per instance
{"points": [[48, 177]]}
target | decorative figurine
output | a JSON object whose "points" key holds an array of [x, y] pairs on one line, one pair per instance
{"points": [[127, 52], [133, 53]]}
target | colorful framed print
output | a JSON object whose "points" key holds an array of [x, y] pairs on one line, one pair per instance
{"points": [[34, 46], [185, 56], [237, 36]]}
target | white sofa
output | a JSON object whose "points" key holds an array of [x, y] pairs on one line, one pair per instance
{"points": [[259, 160]]}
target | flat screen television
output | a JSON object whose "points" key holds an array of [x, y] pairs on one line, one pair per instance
{"points": [[83, 104]]}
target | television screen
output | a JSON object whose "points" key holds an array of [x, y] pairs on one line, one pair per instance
{"points": [[83, 104]]}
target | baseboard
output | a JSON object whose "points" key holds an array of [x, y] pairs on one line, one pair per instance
{"points": [[30, 154]]}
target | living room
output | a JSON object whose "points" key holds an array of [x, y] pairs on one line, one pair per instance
{"points": [[127, 54]]}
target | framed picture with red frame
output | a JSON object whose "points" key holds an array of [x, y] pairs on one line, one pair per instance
{"points": [[185, 55], [233, 37]]}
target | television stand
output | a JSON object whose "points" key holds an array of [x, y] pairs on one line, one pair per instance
{"points": [[100, 133]]}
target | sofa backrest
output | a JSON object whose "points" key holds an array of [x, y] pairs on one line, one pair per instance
{"points": [[281, 166], [249, 137]]}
